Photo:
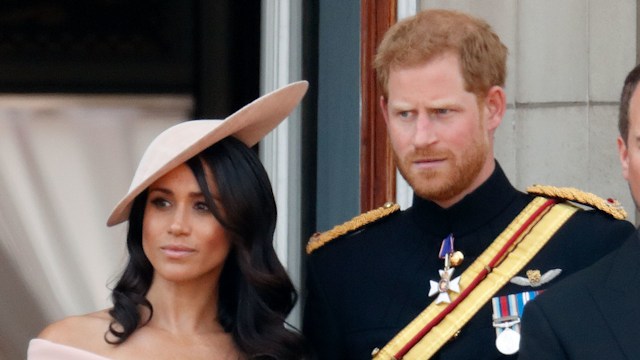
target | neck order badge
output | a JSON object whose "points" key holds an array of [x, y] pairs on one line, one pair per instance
{"points": [[451, 259]]}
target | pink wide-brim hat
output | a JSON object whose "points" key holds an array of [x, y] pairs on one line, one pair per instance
{"points": [[183, 141]]}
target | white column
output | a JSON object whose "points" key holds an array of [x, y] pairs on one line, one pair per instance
{"points": [[404, 193], [407, 8], [280, 151]]}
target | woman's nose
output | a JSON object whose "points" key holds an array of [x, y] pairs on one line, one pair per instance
{"points": [[180, 224]]}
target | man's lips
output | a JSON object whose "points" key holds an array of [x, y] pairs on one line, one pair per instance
{"points": [[428, 163]]}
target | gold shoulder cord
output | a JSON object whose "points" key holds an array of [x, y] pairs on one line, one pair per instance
{"points": [[609, 206], [319, 239]]}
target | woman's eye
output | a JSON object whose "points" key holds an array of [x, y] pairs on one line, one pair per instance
{"points": [[202, 206], [160, 203]]}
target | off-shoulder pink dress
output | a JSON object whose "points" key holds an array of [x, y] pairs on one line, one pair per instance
{"points": [[40, 349]]}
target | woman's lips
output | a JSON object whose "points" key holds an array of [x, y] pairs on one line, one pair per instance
{"points": [[177, 251]]}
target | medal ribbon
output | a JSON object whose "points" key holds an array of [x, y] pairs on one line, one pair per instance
{"points": [[510, 307], [446, 248]]}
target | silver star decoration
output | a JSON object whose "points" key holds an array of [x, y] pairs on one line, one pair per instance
{"points": [[445, 285]]}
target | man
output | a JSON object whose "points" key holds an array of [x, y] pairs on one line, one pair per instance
{"points": [[470, 243], [595, 314]]}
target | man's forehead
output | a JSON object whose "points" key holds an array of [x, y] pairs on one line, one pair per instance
{"points": [[396, 103], [634, 107]]}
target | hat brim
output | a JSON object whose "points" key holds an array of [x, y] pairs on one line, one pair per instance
{"points": [[183, 141]]}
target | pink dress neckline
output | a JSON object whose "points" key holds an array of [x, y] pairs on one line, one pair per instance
{"points": [[40, 349]]}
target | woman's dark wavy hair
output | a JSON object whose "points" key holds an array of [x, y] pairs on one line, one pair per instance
{"points": [[256, 294]]}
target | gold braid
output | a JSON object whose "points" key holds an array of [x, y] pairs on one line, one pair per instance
{"points": [[319, 239], [610, 206]]}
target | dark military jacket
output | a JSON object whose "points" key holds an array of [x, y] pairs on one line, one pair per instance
{"points": [[594, 314], [365, 286]]}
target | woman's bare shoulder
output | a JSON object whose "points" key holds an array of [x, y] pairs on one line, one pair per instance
{"points": [[78, 331]]}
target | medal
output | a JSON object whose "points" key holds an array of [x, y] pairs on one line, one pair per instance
{"points": [[446, 283], [507, 311], [508, 342]]}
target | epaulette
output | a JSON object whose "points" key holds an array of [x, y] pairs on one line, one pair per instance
{"points": [[610, 206], [319, 239]]}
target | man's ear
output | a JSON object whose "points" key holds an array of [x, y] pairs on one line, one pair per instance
{"points": [[623, 152], [383, 108], [495, 104]]}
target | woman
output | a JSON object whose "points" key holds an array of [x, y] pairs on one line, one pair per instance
{"points": [[203, 280]]}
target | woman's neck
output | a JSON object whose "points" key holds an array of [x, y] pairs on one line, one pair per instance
{"points": [[179, 307]]}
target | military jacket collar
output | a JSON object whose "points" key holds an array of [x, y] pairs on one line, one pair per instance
{"points": [[475, 210]]}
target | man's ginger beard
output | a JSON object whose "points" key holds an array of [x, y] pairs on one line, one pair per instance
{"points": [[443, 184]]}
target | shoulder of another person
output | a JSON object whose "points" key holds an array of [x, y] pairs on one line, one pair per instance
{"points": [[609, 206], [573, 288], [78, 331], [318, 240]]}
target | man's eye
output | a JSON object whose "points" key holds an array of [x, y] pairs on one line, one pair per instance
{"points": [[404, 114]]}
